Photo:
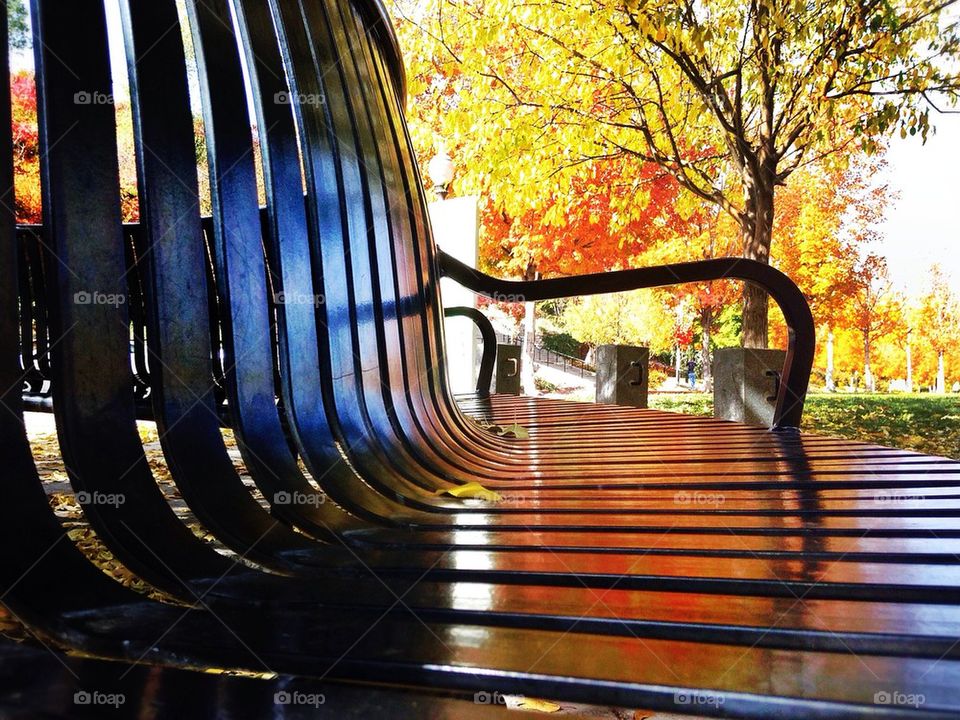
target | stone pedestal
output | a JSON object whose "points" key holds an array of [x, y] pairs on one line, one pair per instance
{"points": [[744, 383], [622, 375], [508, 369]]}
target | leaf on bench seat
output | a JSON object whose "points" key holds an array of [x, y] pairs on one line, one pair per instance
{"points": [[515, 430], [544, 706], [471, 490]]}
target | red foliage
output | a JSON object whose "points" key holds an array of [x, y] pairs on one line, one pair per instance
{"points": [[26, 147], [592, 237], [684, 336], [24, 94]]}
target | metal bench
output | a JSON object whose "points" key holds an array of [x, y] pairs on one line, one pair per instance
{"points": [[639, 558]]}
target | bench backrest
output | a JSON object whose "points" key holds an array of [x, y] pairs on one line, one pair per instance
{"points": [[360, 241], [327, 85]]}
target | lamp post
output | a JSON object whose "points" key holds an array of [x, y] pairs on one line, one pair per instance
{"points": [[440, 170]]}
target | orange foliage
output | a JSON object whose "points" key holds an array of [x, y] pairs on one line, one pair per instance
{"points": [[594, 233], [26, 148]]}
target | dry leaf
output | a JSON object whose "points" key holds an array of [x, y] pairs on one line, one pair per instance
{"points": [[471, 490], [544, 706], [515, 430]]}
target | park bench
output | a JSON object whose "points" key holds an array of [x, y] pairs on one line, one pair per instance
{"points": [[638, 558]]}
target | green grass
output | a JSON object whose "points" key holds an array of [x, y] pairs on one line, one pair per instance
{"points": [[687, 403], [926, 423]]}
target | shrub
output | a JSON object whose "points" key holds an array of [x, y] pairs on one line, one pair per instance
{"points": [[562, 343], [657, 378], [544, 386]]}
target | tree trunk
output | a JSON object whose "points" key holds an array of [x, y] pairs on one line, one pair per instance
{"points": [[527, 367], [941, 375], [706, 324], [757, 232], [867, 375], [677, 361], [909, 365], [828, 379]]}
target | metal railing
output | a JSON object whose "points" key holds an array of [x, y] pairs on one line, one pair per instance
{"points": [[566, 363], [546, 356]]}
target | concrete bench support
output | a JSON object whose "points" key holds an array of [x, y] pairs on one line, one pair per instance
{"points": [[745, 383], [623, 375], [508, 369]]}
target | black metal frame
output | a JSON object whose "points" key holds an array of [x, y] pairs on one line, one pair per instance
{"points": [[489, 358], [801, 332]]}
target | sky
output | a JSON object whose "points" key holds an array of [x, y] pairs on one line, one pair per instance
{"points": [[923, 226]]}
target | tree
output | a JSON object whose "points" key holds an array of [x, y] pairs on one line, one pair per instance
{"points": [[875, 311], [706, 235], [18, 26], [26, 148], [939, 314], [631, 318], [582, 232], [825, 217], [586, 239], [728, 97], [909, 359]]}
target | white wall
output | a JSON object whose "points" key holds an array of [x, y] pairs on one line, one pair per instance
{"points": [[456, 231]]}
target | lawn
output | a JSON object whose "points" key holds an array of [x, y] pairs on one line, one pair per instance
{"points": [[926, 423]]}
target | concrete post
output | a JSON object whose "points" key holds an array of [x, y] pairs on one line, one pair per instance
{"points": [[508, 369], [623, 375], [745, 383]]}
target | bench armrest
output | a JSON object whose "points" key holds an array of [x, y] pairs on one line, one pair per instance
{"points": [[489, 358], [800, 328]]}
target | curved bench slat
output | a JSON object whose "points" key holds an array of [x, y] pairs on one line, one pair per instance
{"points": [[91, 375]]}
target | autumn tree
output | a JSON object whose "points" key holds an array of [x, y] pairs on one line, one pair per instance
{"points": [[729, 97], [826, 217], [578, 234], [582, 231], [875, 310], [939, 315], [706, 234], [26, 147], [709, 238], [629, 318]]}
